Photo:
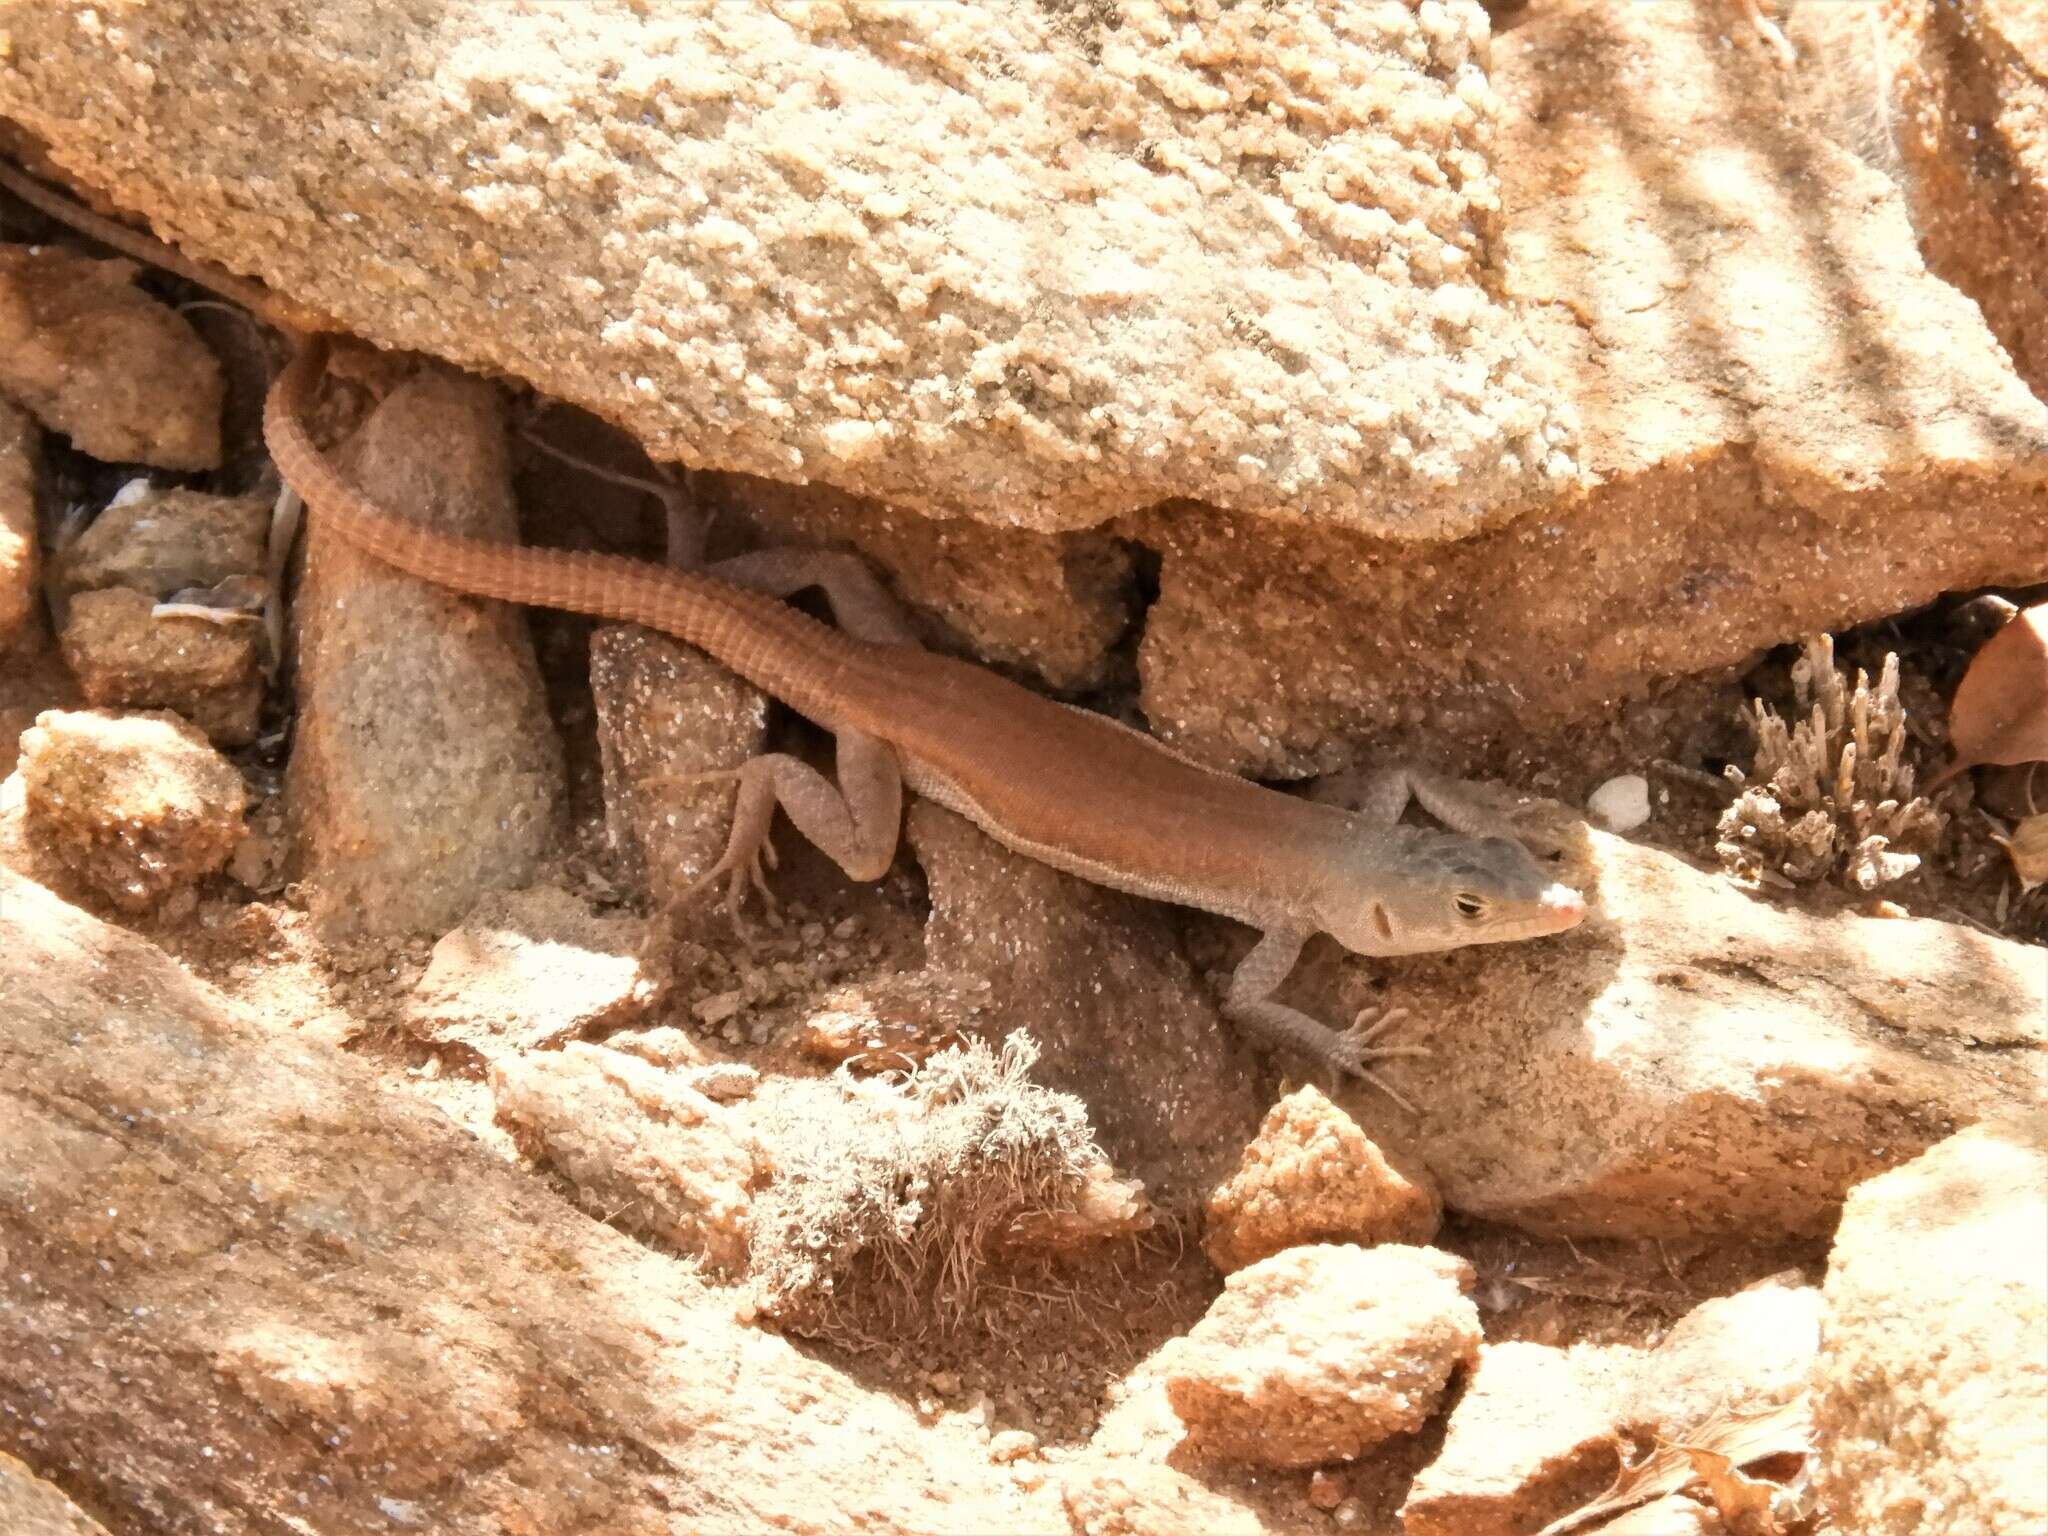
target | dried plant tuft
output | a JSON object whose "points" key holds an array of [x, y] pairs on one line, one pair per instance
{"points": [[1830, 793]]}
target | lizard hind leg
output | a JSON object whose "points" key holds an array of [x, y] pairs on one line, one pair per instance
{"points": [[860, 604], [854, 822]]}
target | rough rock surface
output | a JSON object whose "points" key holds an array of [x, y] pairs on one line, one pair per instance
{"points": [[665, 709], [1312, 1176], [1742, 1353], [1533, 1435], [92, 356], [1931, 1405], [1693, 1059], [391, 1325], [163, 541], [1969, 115], [1036, 265], [1762, 366], [1537, 1432], [137, 806], [1049, 605], [642, 1150], [425, 770], [31, 1507], [527, 970], [20, 445], [1126, 1499], [1322, 1352], [126, 656], [1095, 979]]}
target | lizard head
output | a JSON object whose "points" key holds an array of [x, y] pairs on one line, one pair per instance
{"points": [[1440, 890]]}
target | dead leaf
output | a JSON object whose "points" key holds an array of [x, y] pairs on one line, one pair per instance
{"points": [[1744, 1503], [2000, 711], [1735, 1438], [2028, 850]]}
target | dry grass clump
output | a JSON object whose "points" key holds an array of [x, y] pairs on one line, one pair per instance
{"points": [[1830, 793], [902, 1190]]}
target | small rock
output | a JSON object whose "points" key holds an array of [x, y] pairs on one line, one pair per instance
{"points": [[1533, 1436], [20, 446], [93, 357], [1931, 1394], [890, 1022], [718, 1008], [641, 1150], [1538, 1431], [136, 806], [1119, 1498], [125, 657], [664, 1046], [31, 1507], [528, 970], [1312, 1176], [1746, 1352], [666, 710], [1325, 1490], [1322, 1352], [160, 542], [1621, 804], [1672, 1515], [1012, 1445], [425, 770]]}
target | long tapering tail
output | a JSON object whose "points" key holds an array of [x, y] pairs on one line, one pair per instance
{"points": [[772, 645]]}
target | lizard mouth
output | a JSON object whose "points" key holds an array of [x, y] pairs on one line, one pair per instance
{"points": [[1562, 908]]}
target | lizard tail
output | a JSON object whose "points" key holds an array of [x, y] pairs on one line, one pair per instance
{"points": [[272, 308], [785, 652]]}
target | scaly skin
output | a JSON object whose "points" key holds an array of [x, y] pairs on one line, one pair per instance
{"points": [[1061, 785]]}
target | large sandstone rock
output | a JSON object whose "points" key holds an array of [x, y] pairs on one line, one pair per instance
{"points": [[1931, 1402], [1968, 111], [31, 1507], [425, 771], [245, 1282], [1693, 1059], [1789, 425], [1035, 264]]}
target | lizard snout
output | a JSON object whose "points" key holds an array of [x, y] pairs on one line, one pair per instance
{"points": [[1562, 905]]}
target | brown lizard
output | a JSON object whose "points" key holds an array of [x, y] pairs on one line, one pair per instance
{"points": [[1063, 785]]}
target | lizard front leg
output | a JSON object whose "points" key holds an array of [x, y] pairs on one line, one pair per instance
{"points": [[1383, 794], [1249, 1001]]}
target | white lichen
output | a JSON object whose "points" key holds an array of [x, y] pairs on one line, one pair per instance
{"points": [[1830, 794], [894, 1196]]}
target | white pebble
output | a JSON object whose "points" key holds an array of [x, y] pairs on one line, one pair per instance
{"points": [[1621, 804]]}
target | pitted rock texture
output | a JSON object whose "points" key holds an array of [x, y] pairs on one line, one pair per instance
{"points": [[1789, 425], [94, 357], [1036, 264], [319, 1296], [425, 771], [1968, 112], [20, 568]]}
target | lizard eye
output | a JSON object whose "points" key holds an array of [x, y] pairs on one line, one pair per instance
{"points": [[1468, 906]]}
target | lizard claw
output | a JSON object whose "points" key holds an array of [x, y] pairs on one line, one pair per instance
{"points": [[1351, 1049]]}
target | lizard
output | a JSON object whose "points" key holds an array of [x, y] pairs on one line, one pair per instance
{"points": [[1066, 786]]}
